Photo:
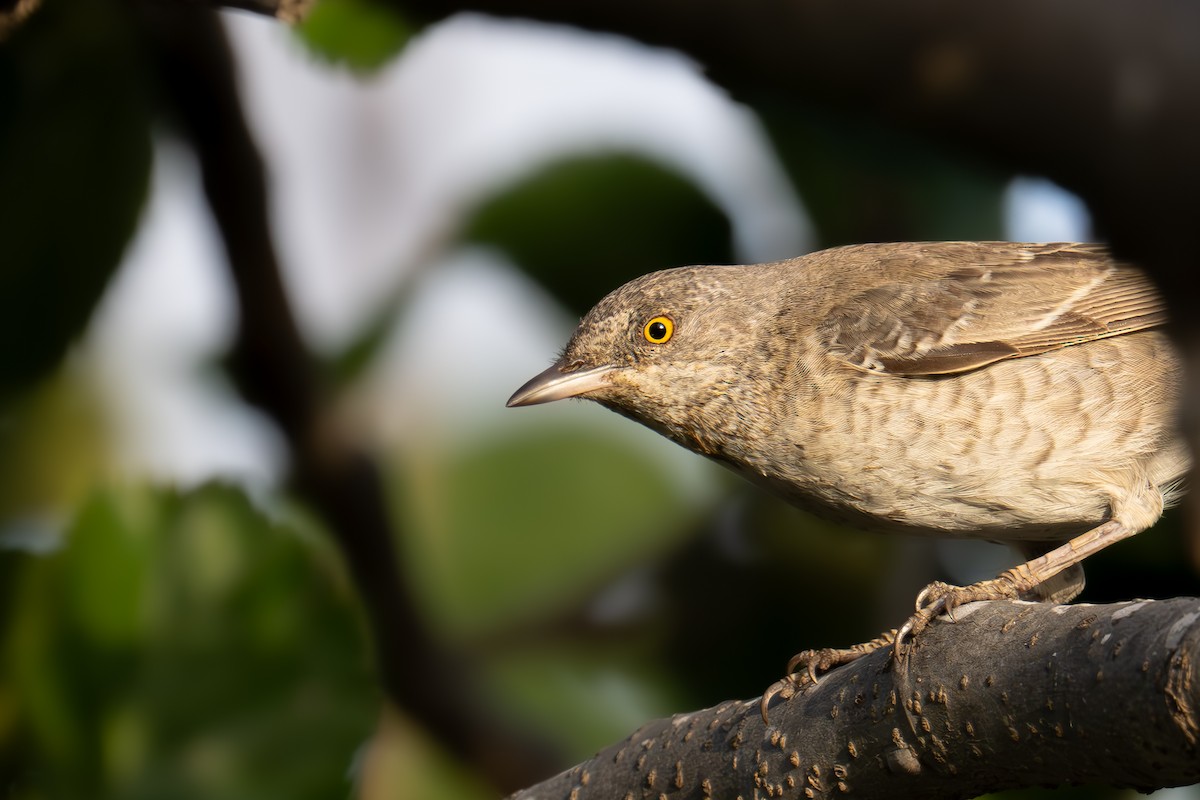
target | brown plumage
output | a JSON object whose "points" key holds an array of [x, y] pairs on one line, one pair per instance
{"points": [[1022, 393]]}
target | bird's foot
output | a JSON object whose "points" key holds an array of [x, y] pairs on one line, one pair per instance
{"points": [[805, 668], [942, 598]]}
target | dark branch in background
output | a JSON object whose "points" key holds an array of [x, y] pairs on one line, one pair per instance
{"points": [[290, 11], [277, 373], [1012, 696], [14, 12]]}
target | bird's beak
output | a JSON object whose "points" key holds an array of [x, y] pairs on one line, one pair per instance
{"points": [[557, 384]]}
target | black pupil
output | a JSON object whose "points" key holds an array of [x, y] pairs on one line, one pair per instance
{"points": [[658, 331]]}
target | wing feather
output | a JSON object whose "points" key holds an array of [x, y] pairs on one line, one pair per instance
{"points": [[1007, 301]]}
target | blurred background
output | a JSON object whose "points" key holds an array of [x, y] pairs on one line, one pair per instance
{"points": [[185, 611]]}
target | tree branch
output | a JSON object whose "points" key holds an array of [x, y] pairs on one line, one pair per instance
{"points": [[1013, 695]]}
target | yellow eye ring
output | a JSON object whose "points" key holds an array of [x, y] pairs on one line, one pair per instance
{"points": [[658, 330]]}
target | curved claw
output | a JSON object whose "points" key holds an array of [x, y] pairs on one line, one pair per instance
{"points": [[795, 681], [939, 592], [906, 632], [923, 595], [805, 667], [810, 660], [935, 599], [784, 687], [942, 598]]}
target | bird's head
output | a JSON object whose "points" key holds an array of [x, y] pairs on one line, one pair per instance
{"points": [[660, 349]]}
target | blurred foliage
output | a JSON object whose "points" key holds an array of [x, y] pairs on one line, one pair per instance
{"points": [[402, 762], [72, 189], [52, 444], [862, 183], [181, 645], [587, 694], [360, 34], [569, 524], [584, 226]]}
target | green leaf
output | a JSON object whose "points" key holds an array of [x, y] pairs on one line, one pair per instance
{"points": [[185, 646], [361, 34], [53, 444], [106, 577], [586, 695], [74, 164], [585, 226], [512, 530]]}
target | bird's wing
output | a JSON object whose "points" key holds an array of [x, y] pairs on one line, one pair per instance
{"points": [[1008, 301]]}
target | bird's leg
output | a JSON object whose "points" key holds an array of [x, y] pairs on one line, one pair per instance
{"points": [[805, 667], [1033, 579], [1022, 580]]}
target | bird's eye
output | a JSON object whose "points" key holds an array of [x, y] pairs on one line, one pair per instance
{"points": [[658, 330]]}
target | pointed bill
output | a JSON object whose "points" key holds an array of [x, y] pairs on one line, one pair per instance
{"points": [[555, 384]]}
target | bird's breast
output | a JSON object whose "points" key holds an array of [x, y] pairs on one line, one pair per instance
{"points": [[1027, 449]]}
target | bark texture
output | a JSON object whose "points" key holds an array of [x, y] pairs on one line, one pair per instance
{"points": [[1012, 695]]}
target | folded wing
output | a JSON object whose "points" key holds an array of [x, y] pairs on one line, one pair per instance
{"points": [[1013, 300]]}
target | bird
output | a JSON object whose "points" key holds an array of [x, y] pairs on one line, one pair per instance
{"points": [[1015, 392]]}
